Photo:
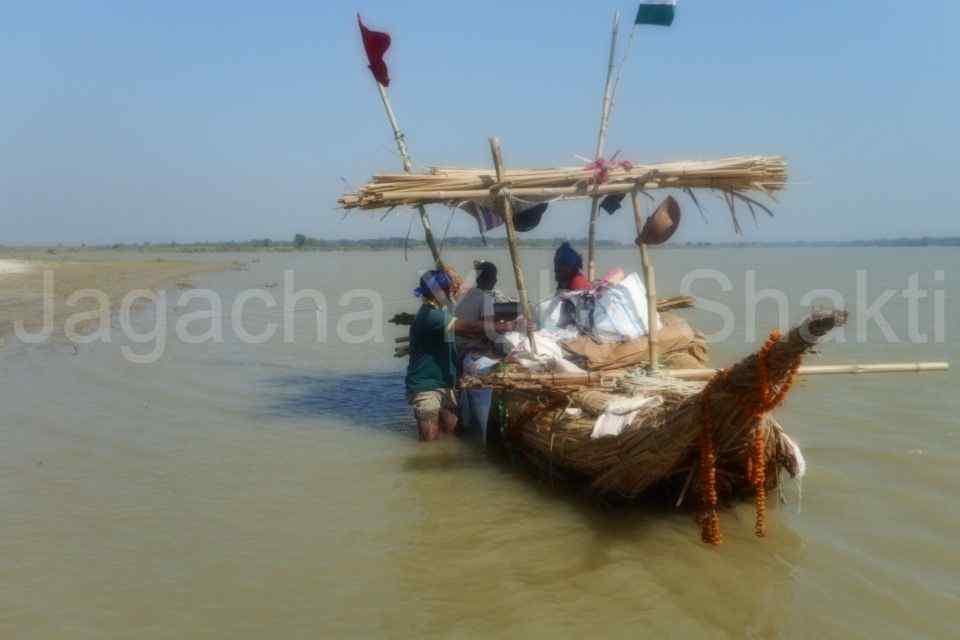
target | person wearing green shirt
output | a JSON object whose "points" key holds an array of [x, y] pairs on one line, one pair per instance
{"points": [[432, 370]]}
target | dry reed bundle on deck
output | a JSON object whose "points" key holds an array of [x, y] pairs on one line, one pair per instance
{"points": [[735, 177]]}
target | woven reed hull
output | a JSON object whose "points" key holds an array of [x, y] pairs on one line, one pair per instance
{"points": [[634, 462], [660, 446]]}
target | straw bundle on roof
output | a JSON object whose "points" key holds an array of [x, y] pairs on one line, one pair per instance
{"points": [[735, 176]]}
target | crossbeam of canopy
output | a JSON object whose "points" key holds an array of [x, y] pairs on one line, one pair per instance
{"points": [[735, 177]]}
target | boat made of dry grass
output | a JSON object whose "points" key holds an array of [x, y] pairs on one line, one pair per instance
{"points": [[711, 434], [549, 418]]}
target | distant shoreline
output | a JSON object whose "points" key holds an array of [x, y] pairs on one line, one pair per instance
{"points": [[23, 284], [392, 244]]}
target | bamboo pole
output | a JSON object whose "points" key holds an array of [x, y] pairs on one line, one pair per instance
{"points": [[608, 88], [831, 370], [506, 210], [610, 379], [601, 141], [650, 281], [592, 238], [408, 168]]}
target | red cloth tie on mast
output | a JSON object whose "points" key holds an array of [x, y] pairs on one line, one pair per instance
{"points": [[601, 168]]}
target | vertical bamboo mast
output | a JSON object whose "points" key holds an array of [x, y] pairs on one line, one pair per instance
{"points": [[407, 168], [650, 281], [601, 141], [506, 210]]}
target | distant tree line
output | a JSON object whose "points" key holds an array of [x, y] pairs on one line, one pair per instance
{"points": [[302, 242]]}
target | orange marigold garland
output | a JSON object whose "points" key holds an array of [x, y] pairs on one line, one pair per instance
{"points": [[710, 519], [759, 478], [756, 454], [756, 461]]}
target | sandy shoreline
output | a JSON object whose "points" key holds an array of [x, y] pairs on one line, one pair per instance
{"points": [[8, 267], [22, 282]]}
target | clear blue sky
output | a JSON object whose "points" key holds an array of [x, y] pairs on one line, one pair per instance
{"points": [[132, 121]]}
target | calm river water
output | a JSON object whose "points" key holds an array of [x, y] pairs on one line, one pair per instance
{"points": [[237, 490]]}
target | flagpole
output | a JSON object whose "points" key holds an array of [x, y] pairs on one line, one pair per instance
{"points": [[408, 168], [601, 141]]}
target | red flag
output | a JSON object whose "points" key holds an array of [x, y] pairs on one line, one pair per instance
{"points": [[376, 44]]}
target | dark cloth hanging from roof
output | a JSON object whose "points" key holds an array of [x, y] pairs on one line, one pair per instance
{"points": [[612, 203], [526, 219], [529, 218], [485, 216]]}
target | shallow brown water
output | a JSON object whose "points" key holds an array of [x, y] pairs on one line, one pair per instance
{"points": [[236, 490]]}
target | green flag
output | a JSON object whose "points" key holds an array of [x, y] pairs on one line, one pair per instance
{"points": [[657, 12]]}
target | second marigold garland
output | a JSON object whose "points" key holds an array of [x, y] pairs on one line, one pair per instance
{"points": [[710, 519]]}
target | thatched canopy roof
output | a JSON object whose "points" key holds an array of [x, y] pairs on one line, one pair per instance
{"points": [[736, 178]]}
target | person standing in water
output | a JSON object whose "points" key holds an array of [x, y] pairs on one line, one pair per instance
{"points": [[568, 269], [478, 306], [432, 371], [478, 303]]}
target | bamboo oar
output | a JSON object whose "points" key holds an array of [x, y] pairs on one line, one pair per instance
{"points": [[830, 370], [604, 379]]}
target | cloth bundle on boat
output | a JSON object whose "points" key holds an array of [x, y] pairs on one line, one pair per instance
{"points": [[611, 312], [614, 413], [679, 347], [549, 356], [603, 329]]}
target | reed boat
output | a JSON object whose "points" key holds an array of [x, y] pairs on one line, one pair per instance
{"points": [[638, 421], [695, 435], [663, 444]]}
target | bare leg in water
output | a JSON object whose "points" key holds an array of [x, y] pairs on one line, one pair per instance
{"points": [[448, 422], [429, 429]]}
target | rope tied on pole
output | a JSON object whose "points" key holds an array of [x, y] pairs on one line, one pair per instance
{"points": [[601, 168]]}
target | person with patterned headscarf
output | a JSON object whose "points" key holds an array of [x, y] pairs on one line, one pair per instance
{"points": [[432, 370]]}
